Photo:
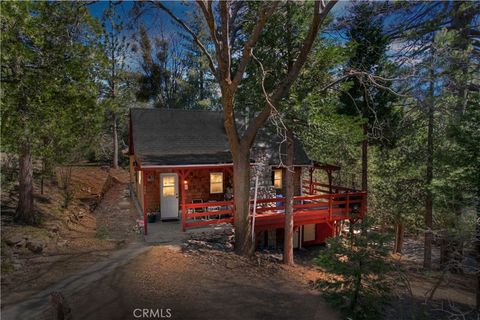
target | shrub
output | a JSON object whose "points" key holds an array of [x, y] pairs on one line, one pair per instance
{"points": [[361, 290]]}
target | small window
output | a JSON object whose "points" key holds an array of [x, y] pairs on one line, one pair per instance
{"points": [[216, 182], [277, 178], [168, 186]]}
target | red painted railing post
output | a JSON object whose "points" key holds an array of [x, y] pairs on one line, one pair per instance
{"points": [[330, 204]]}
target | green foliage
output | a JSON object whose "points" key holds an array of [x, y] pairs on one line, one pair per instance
{"points": [[361, 290], [369, 99], [118, 87], [397, 181], [329, 134], [49, 67]]}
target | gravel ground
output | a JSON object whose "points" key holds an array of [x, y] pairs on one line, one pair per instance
{"points": [[199, 285]]}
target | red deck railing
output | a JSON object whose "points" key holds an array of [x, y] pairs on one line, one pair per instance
{"points": [[310, 209], [207, 213], [324, 188], [270, 213]]}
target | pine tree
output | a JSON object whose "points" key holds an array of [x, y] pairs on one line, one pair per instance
{"points": [[362, 289], [50, 60]]}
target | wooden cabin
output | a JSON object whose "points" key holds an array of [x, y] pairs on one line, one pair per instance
{"points": [[181, 169]]}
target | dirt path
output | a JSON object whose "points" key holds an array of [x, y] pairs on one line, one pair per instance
{"points": [[38, 305], [196, 286], [93, 238]]}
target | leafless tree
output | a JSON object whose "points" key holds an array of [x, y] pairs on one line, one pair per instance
{"points": [[223, 36]]}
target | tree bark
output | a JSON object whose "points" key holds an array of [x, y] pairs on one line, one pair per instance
{"points": [[25, 210], [365, 158], [399, 234], [288, 240], [427, 256], [115, 143], [241, 167]]}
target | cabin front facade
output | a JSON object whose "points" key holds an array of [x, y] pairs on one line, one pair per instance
{"points": [[181, 169]]}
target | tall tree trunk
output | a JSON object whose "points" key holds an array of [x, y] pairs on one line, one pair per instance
{"points": [[241, 167], [399, 234], [365, 158], [115, 142], [25, 210], [427, 256], [288, 240]]}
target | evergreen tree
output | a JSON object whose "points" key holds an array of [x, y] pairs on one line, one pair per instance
{"points": [[365, 99], [362, 288], [49, 67], [115, 97]]}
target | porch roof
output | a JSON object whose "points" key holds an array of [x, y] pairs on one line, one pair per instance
{"points": [[177, 137]]}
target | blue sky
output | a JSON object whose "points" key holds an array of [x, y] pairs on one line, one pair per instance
{"points": [[180, 8], [150, 18], [156, 21]]}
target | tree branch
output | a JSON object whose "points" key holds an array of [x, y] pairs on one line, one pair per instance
{"points": [[320, 12], [206, 7], [265, 13], [225, 40], [194, 36]]}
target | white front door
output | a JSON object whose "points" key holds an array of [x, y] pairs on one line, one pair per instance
{"points": [[169, 195]]}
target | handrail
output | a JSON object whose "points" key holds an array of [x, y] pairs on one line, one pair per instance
{"points": [[334, 187], [270, 211], [223, 212], [208, 204]]}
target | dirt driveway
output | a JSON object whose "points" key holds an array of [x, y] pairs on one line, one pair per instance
{"points": [[204, 285]]}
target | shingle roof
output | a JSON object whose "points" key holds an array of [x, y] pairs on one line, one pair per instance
{"points": [[189, 137]]}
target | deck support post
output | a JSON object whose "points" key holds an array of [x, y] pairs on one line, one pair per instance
{"points": [[144, 186]]}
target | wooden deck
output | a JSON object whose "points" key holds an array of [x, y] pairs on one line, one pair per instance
{"points": [[345, 204]]}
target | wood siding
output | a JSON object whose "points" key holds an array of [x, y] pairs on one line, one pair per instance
{"points": [[198, 187]]}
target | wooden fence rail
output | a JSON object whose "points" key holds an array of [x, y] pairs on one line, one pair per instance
{"points": [[270, 212]]}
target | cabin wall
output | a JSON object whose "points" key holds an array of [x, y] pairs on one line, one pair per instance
{"points": [[307, 235], [265, 182], [136, 180], [131, 170], [139, 187], [320, 232], [199, 186], [297, 181], [198, 182]]}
